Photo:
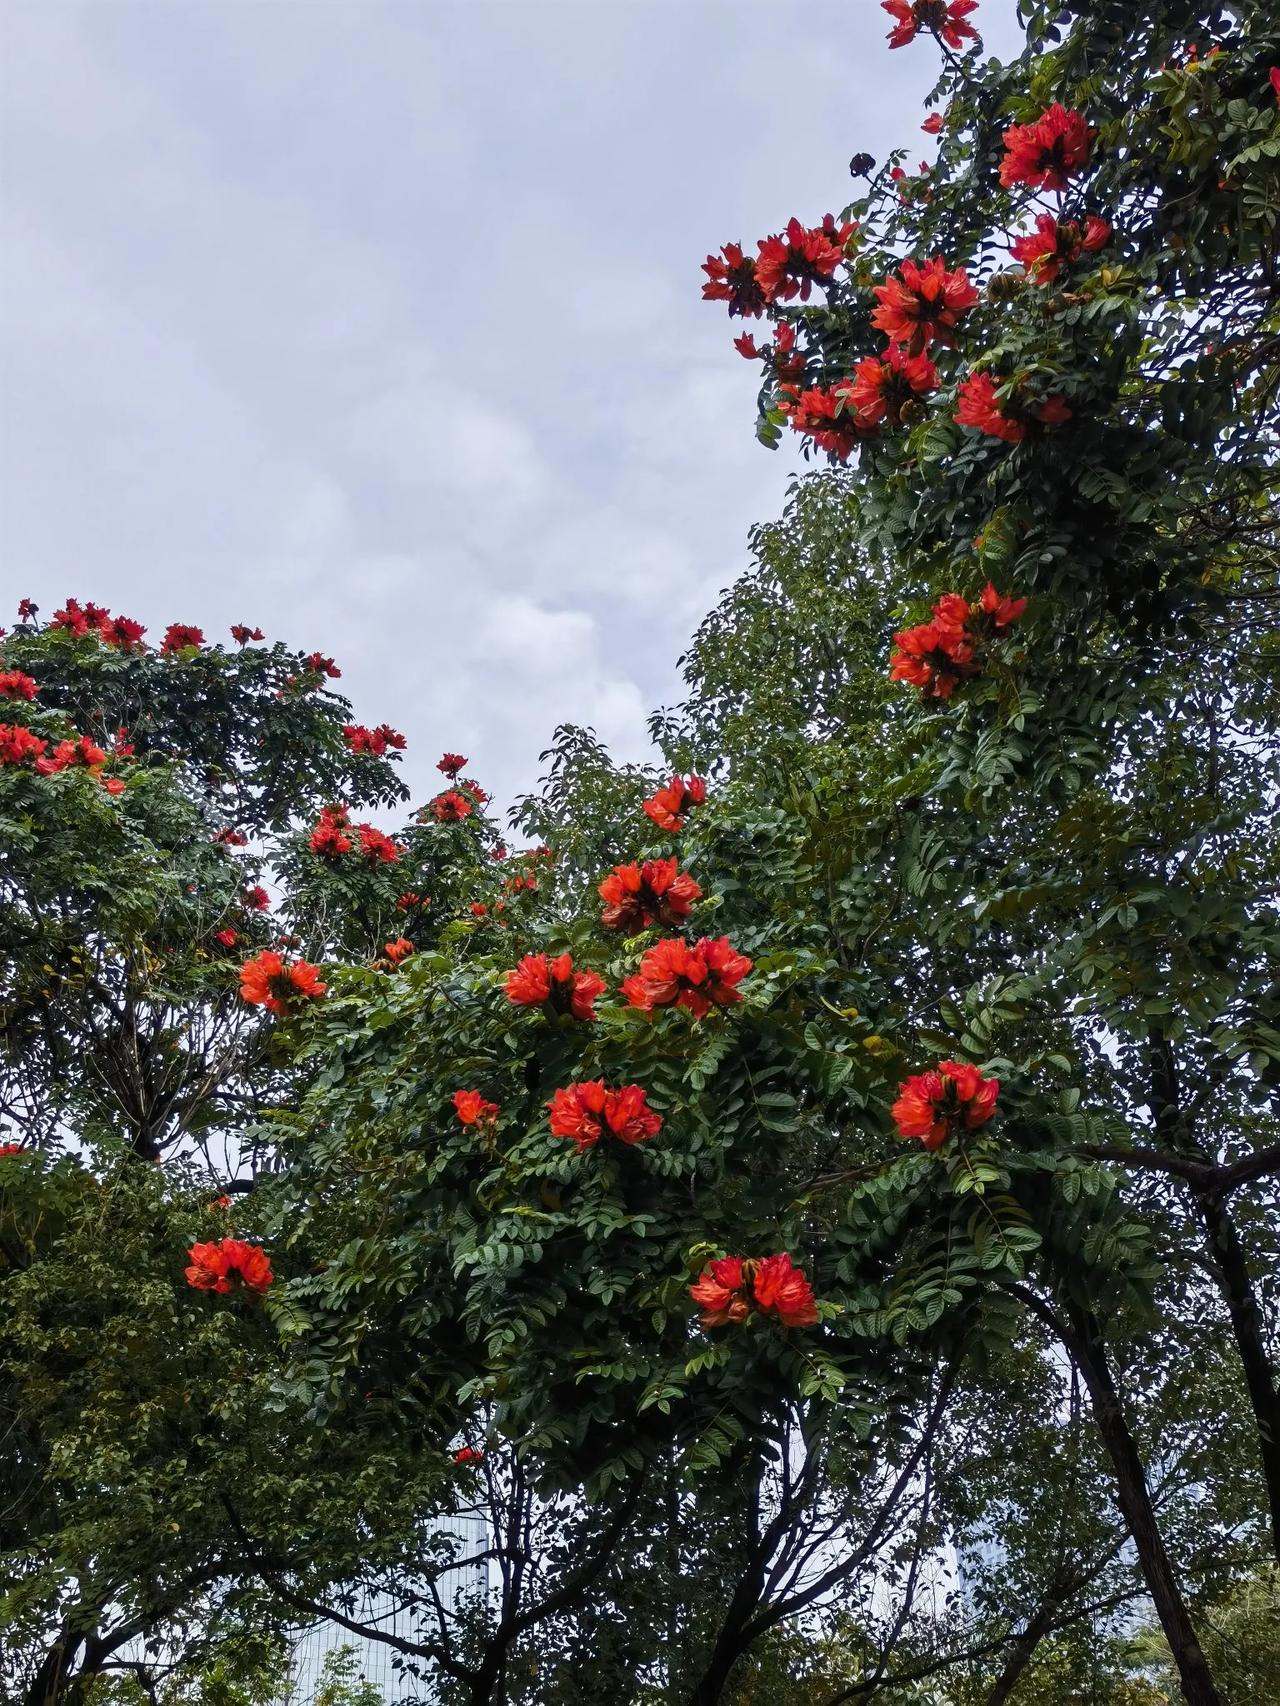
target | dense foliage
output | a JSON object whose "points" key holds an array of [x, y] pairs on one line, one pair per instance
{"points": [[811, 1212]]}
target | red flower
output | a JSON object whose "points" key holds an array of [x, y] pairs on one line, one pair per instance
{"points": [[398, 950], [72, 617], [15, 685], [451, 764], [537, 981], [450, 807], [472, 1109], [408, 900], [1275, 87], [26, 609], [479, 909], [636, 896], [923, 303], [372, 741], [932, 126], [230, 838], [177, 636], [114, 785], [731, 278], [979, 407], [220, 1202], [933, 1104], [12, 1148], [884, 385], [942, 18], [699, 977], [729, 1288], [790, 265], [669, 807], [377, 848], [498, 852], [586, 1111], [1045, 154], [226, 937], [68, 753], [120, 631], [275, 983], [256, 898], [476, 792], [241, 633], [215, 1266], [1003, 611], [828, 417], [468, 1454], [329, 838], [319, 664], [1058, 243], [936, 656]]}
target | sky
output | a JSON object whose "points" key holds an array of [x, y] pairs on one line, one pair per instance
{"points": [[377, 323]]}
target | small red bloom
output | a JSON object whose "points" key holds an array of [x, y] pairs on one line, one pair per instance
{"points": [[479, 909], [12, 1148], [275, 983], [468, 1454], [226, 937], [586, 1111], [474, 789], [26, 610], [121, 631], [241, 633], [408, 900], [15, 685], [450, 807], [230, 838], [498, 852], [451, 764], [980, 407], [69, 753], [537, 981], [329, 838], [932, 126], [1045, 154], [1275, 89], [884, 385], [215, 1266], [731, 278], [398, 950], [1058, 243], [115, 785], [827, 416], [636, 896], [221, 1202], [669, 807], [934, 1104], [730, 1288], [377, 848], [319, 664], [791, 264], [72, 617], [675, 974], [178, 636], [472, 1109], [942, 18], [923, 303], [256, 898], [1003, 611]]}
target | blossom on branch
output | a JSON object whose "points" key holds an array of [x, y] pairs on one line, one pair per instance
{"points": [[1046, 154], [1058, 243], [215, 1266], [269, 980], [669, 807], [942, 18], [934, 1104], [731, 1288], [923, 303], [700, 976], [636, 896], [586, 1111], [537, 981]]}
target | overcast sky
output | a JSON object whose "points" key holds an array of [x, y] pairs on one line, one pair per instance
{"points": [[378, 323]]}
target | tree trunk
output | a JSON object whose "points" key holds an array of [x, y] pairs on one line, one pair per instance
{"points": [[1084, 1341], [1022, 1650], [1232, 1273]]}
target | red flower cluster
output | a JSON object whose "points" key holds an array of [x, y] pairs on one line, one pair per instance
{"points": [[372, 741], [942, 18], [669, 807], [15, 685], [537, 981], [178, 636], [731, 278], [398, 950], [256, 898], [888, 388], [409, 899], [319, 664], [275, 983], [923, 303], [451, 764], [18, 744], [636, 896], [230, 838], [377, 848], [934, 1104], [69, 753], [700, 976], [242, 634], [979, 406], [1059, 243], [780, 355], [937, 656], [472, 1109], [468, 1454], [730, 1288], [586, 1111], [790, 265], [27, 609], [80, 619], [932, 126], [1045, 154], [228, 938], [329, 838], [827, 416], [11, 1148], [450, 807], [215, 1266], [476, 792]]}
